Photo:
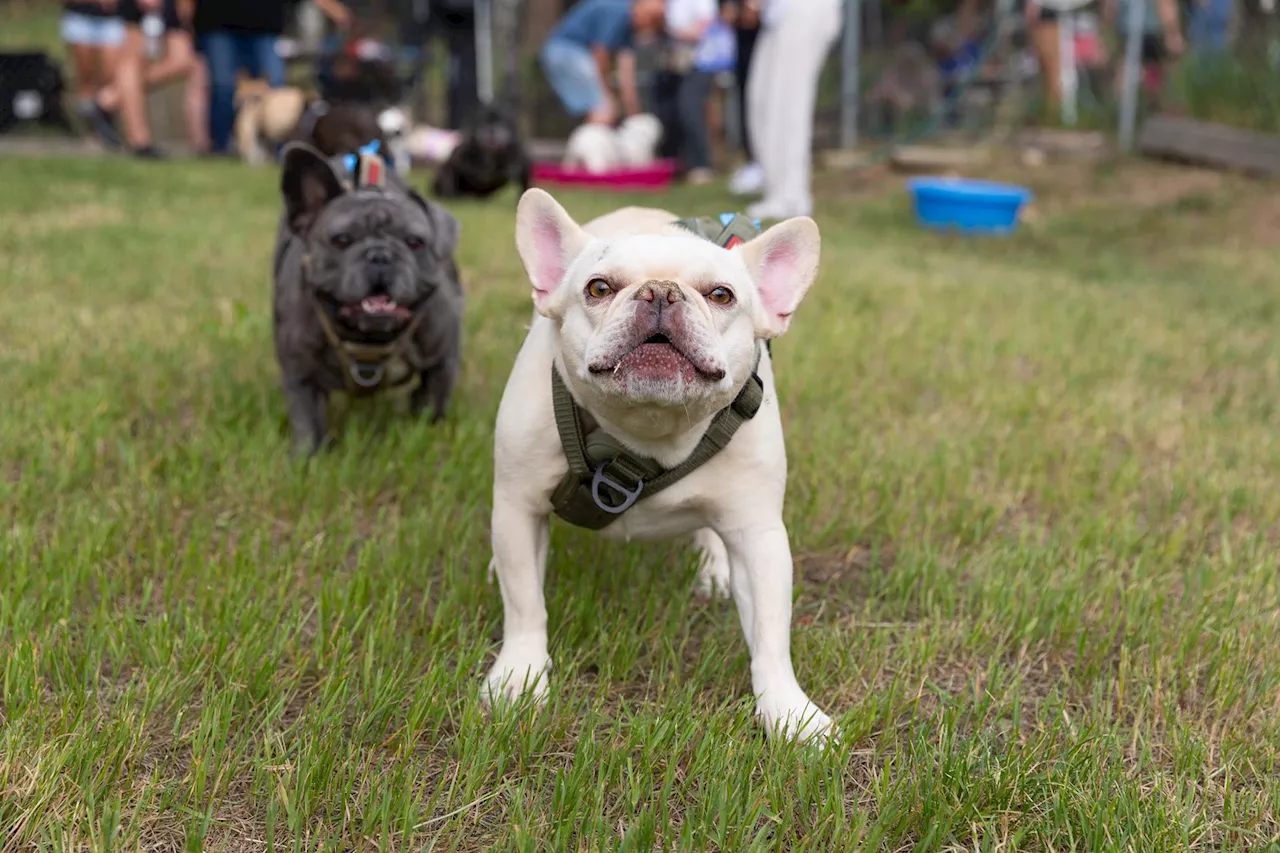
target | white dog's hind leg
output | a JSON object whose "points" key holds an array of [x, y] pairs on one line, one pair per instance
{"points": [[713, 565], [520, 543], [760, 571]]}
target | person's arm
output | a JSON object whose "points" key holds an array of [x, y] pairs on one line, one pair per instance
{"points": [[335, 11], [1172, 24], [627, 82], [604, 113], [690, 33], [601, 54], [1110, 12]]}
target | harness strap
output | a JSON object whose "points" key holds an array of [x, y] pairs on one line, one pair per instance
{"points": [[605, 479]]}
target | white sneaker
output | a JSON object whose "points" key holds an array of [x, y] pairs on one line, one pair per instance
{"points": [[748, 180], [769, 209], [700, 177]]}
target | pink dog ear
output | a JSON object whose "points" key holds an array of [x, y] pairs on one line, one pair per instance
{"points": [[548, 241], [783, 262]]}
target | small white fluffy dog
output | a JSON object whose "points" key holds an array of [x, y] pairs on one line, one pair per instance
{"points": [[639, 136], [654, 330], [395, 126], [598, 148], [593, 147]]}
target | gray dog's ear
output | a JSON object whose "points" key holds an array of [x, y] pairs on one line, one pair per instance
{"points": [[445, 230], [308, 182]]}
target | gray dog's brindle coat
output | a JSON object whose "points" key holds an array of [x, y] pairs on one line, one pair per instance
{"points": [[343, 250]]}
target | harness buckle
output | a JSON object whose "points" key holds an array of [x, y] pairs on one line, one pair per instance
{"points": [[367, 375], [629, 496]]}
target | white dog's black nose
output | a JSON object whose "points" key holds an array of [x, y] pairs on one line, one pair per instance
{"points": [[651, 290]]}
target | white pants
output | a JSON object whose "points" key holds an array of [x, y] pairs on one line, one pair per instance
{"points": [[782, 91]]}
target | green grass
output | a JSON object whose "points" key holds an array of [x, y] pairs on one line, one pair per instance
{"points": [[1034, 495]]}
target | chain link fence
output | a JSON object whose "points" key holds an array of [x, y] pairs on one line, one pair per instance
{"points": [[917, 69]]}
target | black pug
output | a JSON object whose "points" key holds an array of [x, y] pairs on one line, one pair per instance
{"points": [[490, 155], [367, 293]]}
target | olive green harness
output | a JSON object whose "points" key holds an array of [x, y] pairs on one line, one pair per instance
{"points": [[370, 368], [605, 479]]}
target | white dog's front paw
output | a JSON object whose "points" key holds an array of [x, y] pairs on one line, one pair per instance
{"points": [[517, 673], [794, 717], [713, 565]]}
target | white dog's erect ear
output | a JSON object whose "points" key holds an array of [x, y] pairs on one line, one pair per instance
{"points": [[783, 262], [548, 241]]}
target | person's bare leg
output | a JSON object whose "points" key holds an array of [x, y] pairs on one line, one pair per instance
{"points": [[128, 89], [197, 105], [179, 60], [84, 57]]}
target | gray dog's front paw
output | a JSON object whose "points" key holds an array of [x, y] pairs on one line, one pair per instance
{"points": [[304, 451]]}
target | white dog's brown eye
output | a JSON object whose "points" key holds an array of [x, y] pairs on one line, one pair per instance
{"points": [[598, 288], [720, 296], [414, 243], [341, 241]]}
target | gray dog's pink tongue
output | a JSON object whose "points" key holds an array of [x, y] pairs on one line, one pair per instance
{"points": [[378, 305]]}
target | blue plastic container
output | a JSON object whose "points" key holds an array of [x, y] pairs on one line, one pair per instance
{"points": [[970, 207]]}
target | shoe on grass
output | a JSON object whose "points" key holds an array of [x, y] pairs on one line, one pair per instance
{"points": [[748, 180], [104, 126], [149, 152]]}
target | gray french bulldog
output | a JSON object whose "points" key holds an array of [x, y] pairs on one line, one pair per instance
{"points": [[367, 293]]}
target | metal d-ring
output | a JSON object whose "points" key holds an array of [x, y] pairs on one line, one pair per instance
{"points": [[630, 497], [367, 375]]}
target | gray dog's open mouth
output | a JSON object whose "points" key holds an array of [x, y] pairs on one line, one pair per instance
{"points": [[376, 306]]}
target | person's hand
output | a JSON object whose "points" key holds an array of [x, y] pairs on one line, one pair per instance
{"points": [[1174, 43], [337, 12], [107, 5], [606, 112], [149, 6]]}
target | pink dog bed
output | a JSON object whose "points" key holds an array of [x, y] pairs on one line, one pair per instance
{"points": [[646, 178]]}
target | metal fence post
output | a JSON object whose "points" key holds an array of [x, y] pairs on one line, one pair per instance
{"points": [[1132, 73], [850, 57], [484, 51]]}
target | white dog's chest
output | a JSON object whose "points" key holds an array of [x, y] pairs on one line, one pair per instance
{"points": [[656, 519]]}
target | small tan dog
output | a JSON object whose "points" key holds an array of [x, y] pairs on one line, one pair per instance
{"points": [[265, 115]]}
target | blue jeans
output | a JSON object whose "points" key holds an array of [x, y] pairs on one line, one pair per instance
{"points": [[695, 142], [1208, 26], [226, 53], [573, 74]]}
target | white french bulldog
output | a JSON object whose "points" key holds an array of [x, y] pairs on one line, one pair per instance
{"points": [[654, 330]]}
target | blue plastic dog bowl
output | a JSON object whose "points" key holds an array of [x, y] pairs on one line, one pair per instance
{"points": [[970, 207]]}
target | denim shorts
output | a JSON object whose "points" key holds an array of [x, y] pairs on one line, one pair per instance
{"points": [[91, 31], [573, 74]]}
